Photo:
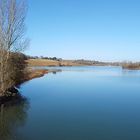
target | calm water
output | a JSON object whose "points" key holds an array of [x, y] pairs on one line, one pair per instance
{"points": [[79, 103]]}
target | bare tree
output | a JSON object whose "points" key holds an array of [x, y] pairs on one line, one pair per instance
{"points": [[12, 29]]}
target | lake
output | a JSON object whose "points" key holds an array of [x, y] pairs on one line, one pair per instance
{"points": [[78, 103]]}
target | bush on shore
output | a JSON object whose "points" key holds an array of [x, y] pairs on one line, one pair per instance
{"points": [[130, 65]]}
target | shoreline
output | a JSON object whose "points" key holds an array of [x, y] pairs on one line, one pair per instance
{"points": [[13, 95], [34, 73]]}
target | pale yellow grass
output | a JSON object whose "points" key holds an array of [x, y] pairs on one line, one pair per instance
{"points": [[46, 62]]}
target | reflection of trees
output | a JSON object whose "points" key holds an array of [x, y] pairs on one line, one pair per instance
{"points": [[11, 118]]}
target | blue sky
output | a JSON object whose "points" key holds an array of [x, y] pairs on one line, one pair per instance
{"points": [[106, 30]]}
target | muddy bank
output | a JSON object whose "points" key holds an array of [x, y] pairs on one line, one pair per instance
{"points": [[34, 73]]}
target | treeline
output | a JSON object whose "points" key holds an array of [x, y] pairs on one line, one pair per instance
{"points": [[43, 57], [88, 62]]}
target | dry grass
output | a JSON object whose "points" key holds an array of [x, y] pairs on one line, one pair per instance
{"points": [[31, 74], [131, 66], [42, 62], [46, 62]]}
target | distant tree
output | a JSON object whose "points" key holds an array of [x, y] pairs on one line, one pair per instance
{"points": [[54, 58]]}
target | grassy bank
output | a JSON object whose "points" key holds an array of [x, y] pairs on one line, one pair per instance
{"points": [[34, 73], [47, 62]]}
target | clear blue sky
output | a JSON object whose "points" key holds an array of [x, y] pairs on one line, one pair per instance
{"points": [[107, 30]]}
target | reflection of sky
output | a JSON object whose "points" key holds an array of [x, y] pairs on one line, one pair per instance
{"points": [[97, 70], [101, 103]]}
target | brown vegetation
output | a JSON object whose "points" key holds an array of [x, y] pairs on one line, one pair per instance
{"points": [[33, 73], [12, 41], [12, 94], [131, 66], [47, 62], [42, 62]]}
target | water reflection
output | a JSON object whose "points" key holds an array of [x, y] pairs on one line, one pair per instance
{"points": [[131, 72], [11, 118]]}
